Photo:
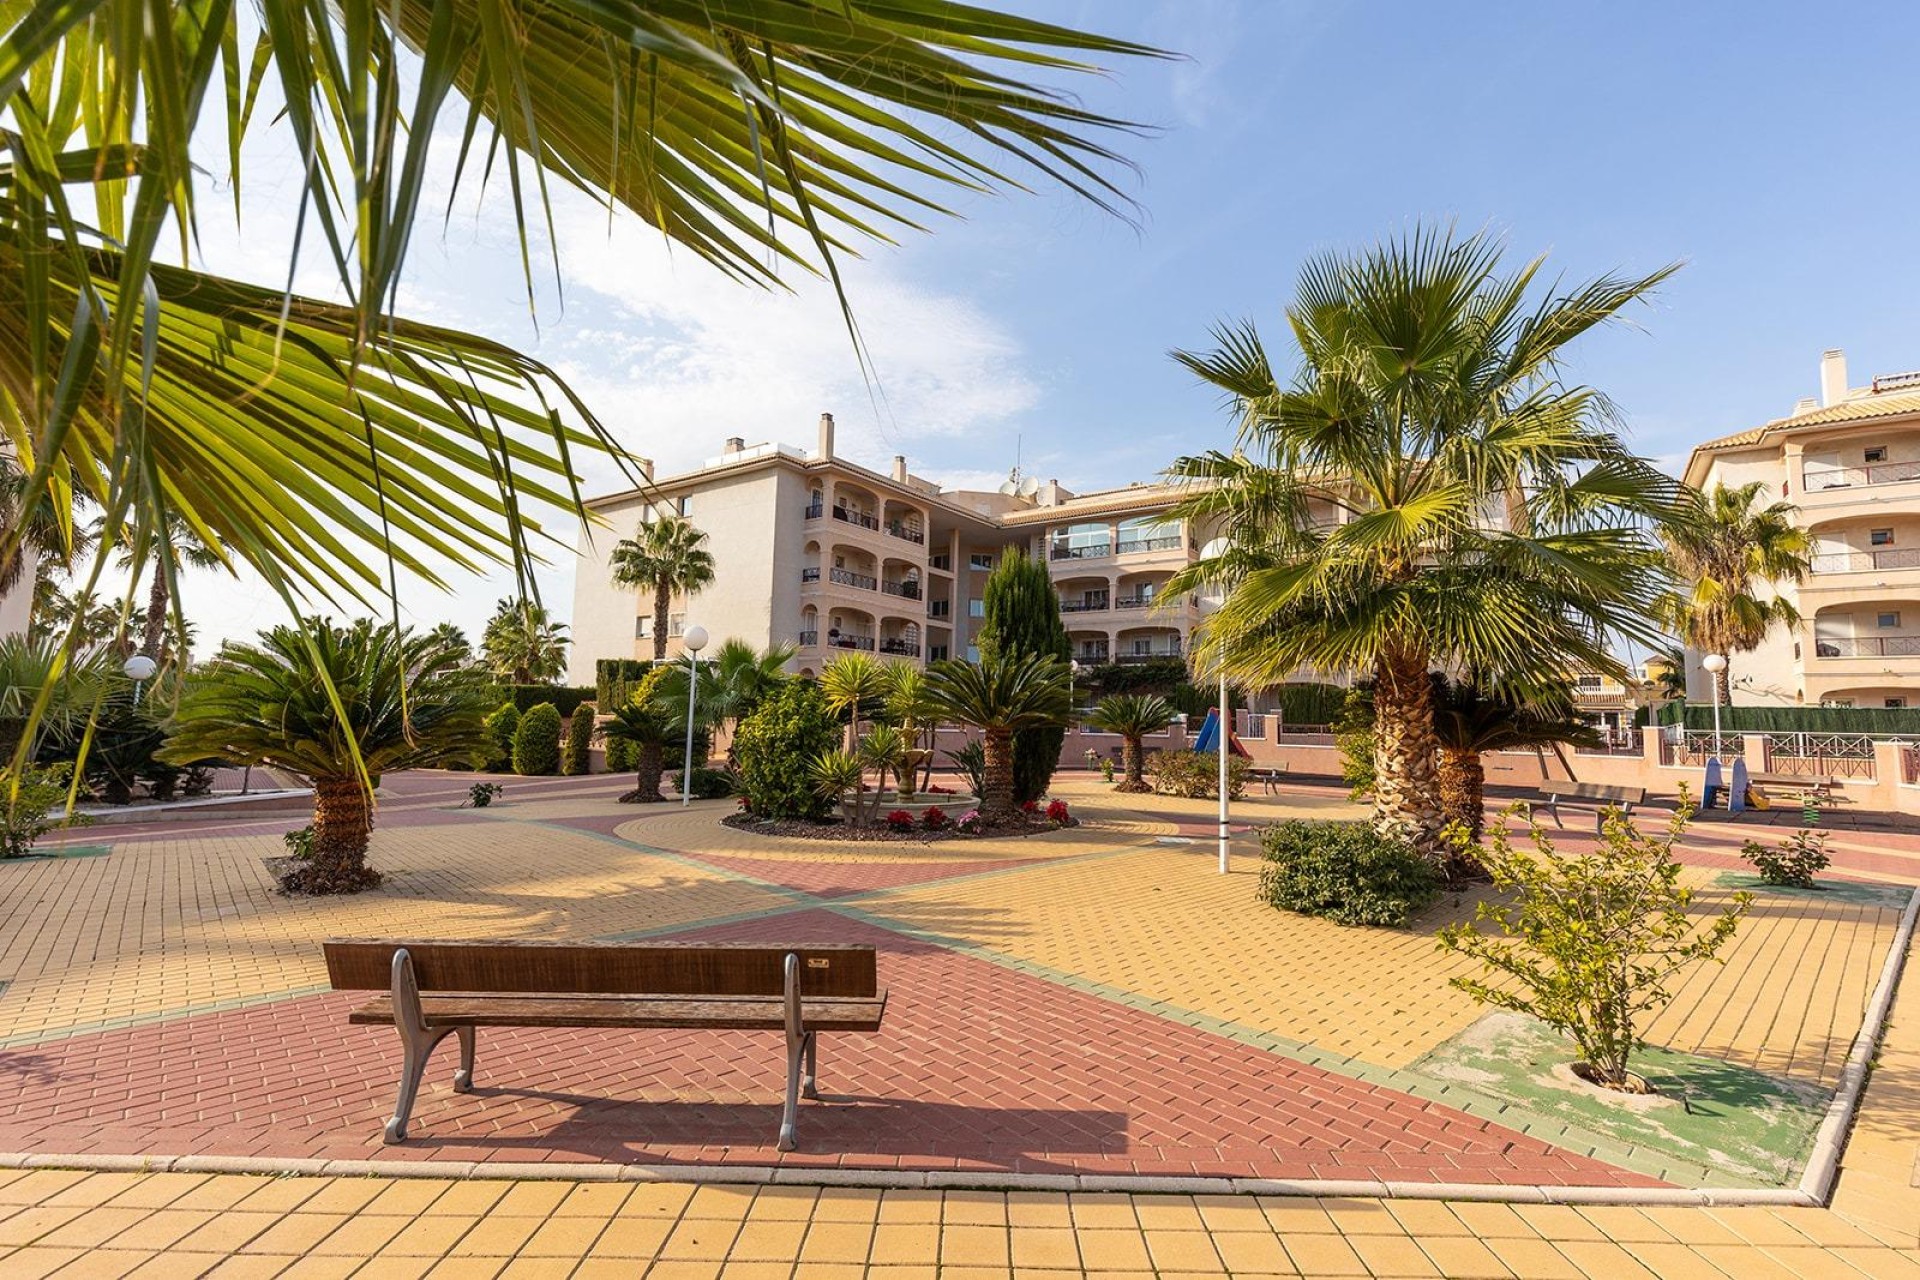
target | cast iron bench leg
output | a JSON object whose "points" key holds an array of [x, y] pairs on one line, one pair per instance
{"points": [[417, 1042], [463, 1077]]}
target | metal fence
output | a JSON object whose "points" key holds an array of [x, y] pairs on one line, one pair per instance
{"points": [[1830, 755]]}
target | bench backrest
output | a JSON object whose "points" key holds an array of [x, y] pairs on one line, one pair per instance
{"points": [[1595, 791], [606, 968]]}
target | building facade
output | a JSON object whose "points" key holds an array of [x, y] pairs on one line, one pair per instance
{"points": [[1849, 460], [815, 551]]}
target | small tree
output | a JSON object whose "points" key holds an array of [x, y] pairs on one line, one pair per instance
{"points": [[536, 745], [27, 804], [646, 723], [771, 748], [1587, 942], [1000, 695], [1021, 611], [576, 759], [502, 727], [1133, 716]]}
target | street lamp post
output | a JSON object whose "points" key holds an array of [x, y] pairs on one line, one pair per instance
{"points": [[139, 669], [694, 639], [1715, 663], [1226, 730]]}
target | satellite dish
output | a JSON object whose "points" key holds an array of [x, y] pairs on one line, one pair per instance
{"points": [[1214, 594], [1029, 486], [1011, 485]]}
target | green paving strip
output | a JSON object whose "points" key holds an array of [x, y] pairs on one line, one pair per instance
{"points": [[1554, 1127], [47, 853], [160, 1015], [1718, 1113], [1891, 896]]}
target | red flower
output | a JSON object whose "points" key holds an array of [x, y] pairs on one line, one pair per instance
{"points": [[900, 820], [1057, 813], [934, 818]]}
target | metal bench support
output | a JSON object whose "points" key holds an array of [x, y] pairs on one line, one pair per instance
{"points": [[802, 1057], [417, 1043]]}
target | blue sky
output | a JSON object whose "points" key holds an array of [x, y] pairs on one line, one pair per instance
{"points": [[1766, 145]]}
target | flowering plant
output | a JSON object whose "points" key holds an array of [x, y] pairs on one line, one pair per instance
{"points": [[1030, 806], [900, 820], [935, 819], [1057, 813], [970, 822]]}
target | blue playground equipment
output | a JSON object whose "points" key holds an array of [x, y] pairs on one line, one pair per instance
{"points": [[1209, 737]]}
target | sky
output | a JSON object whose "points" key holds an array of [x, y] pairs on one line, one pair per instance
{"points": [[1767, 146]]}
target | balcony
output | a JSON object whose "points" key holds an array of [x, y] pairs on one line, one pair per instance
{"points": [[1867, 561], [1860, 477], [1166, 543], [815, 510], [847, 640], [1094, 602], [905, 590], [1866, 647], [807, 639], [906, 533], [1090, 653], [1138, 656], [1088, 551], [900, 648], [1137, 602], [848, 578], [859, 519], [809, 575]]}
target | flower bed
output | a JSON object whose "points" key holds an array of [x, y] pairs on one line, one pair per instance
{"points": [[915, 823]]}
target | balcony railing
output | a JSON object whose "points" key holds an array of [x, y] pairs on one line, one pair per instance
{"points": [[858, 518], [1138, 656], [1865, 561], [902, 648], [1090, 653], [815, 510], [1866, 647], [906, 590], [1090, 551], [807, 639], [906, 532], [1086, 604], [848, 578], [809, 575], [1130, 545], [1857, 477], [847, 640], [1136, 602]]}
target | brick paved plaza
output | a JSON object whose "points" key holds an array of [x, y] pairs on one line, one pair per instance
{"points": [[1089, 1003]]}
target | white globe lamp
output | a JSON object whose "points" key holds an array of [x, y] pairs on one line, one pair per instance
{"points": [[694, 639]]}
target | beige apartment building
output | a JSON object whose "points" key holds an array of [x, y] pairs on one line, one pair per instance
{"points": [[815, 551], [1850, 461]]}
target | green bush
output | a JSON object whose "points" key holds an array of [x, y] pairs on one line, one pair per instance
{"points": [[1196, 776], [502, 726], [1797, 862], [771, 747], [1344, 872], [623, 755], [576, 759], [536, 747], [615, 678], [26, 816], [708, 784]]}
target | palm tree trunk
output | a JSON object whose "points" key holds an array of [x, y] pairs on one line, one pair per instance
{"points": [[1463, 783], [1723, 684], [1132, 760], [156, 614], [341, 821], [646, 783], [1406, 791], [662, 595], [996, 779]]}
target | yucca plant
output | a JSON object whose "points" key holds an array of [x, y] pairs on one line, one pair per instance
{"points": [[836, 775], [335, 705], [850, 682]]}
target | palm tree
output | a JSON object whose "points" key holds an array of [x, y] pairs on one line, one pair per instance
{"points": [[851, 681], [997, 695], [1723, 546], [320, 442], [665, 557], [339, 706], [1470, 720], [652, 721], [1425, 490], [166, 550], [45, 537], [733, 683], [523, 645], [1133, 716]]}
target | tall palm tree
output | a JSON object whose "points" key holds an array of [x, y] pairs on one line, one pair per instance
{"points": [[1487, 515], [523, 645], [163, 551], [320, 442], [339, 706], [1133, 716], [1001, 693], [1724, 548], [665, 557]]}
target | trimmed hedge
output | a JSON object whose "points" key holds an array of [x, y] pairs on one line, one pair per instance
{"points": [[525, 697], [622, 756], [1904, 720], [1309, 703], [708, 784], [1344, 872], [614, 679], [502, 726], [576, 757], [536, 747]]}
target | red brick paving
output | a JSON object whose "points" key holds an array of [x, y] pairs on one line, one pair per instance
{"points": [[979, 1067]]}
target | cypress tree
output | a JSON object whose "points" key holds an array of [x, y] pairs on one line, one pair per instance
{"points": [[1023, 616]]}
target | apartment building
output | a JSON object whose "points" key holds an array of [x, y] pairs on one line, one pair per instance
{"points": [[813, 550], [1849, 460]]}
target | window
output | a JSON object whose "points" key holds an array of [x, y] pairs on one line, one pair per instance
{"points": [[982, 560], [1878, 453], [1896, 704], [943, 561], [1889, 619], [939, 608], [976, 608], [1078, 541], [1881, 537], [1842, 703], [973, 653], [685, 505], [1587, 682], [643, 627], [936, 652]]}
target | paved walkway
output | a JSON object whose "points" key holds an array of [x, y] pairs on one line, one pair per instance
{"points": [[1091, 1001]]}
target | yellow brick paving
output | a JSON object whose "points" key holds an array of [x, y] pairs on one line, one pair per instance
{"points": [[178, 924]]}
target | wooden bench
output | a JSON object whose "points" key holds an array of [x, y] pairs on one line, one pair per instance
{"points": [[1268, 778], [1799, 786], [1590, 795], [439, 988]]}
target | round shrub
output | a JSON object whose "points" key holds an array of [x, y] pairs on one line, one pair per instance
{"points": [[791, 726], [1345, 872], [1196, 775], [575, 760], [708, 784], [623, 756], [502, 726], [536, 747]]}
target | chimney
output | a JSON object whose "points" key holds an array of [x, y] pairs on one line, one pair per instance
{"points": [[1833, 377], [735, 444], [899, 468], [645, 467], [826, 436]]}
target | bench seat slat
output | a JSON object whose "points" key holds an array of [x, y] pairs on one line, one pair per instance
{"points": [[750, 1013]]}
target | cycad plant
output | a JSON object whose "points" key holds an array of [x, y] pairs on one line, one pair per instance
{"points": [[1725, 548], [1133, 716], [999, 695], [667, 558], [1471, 719], [649, 722], [1425, 489], [339, 706], [522, 644]]}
